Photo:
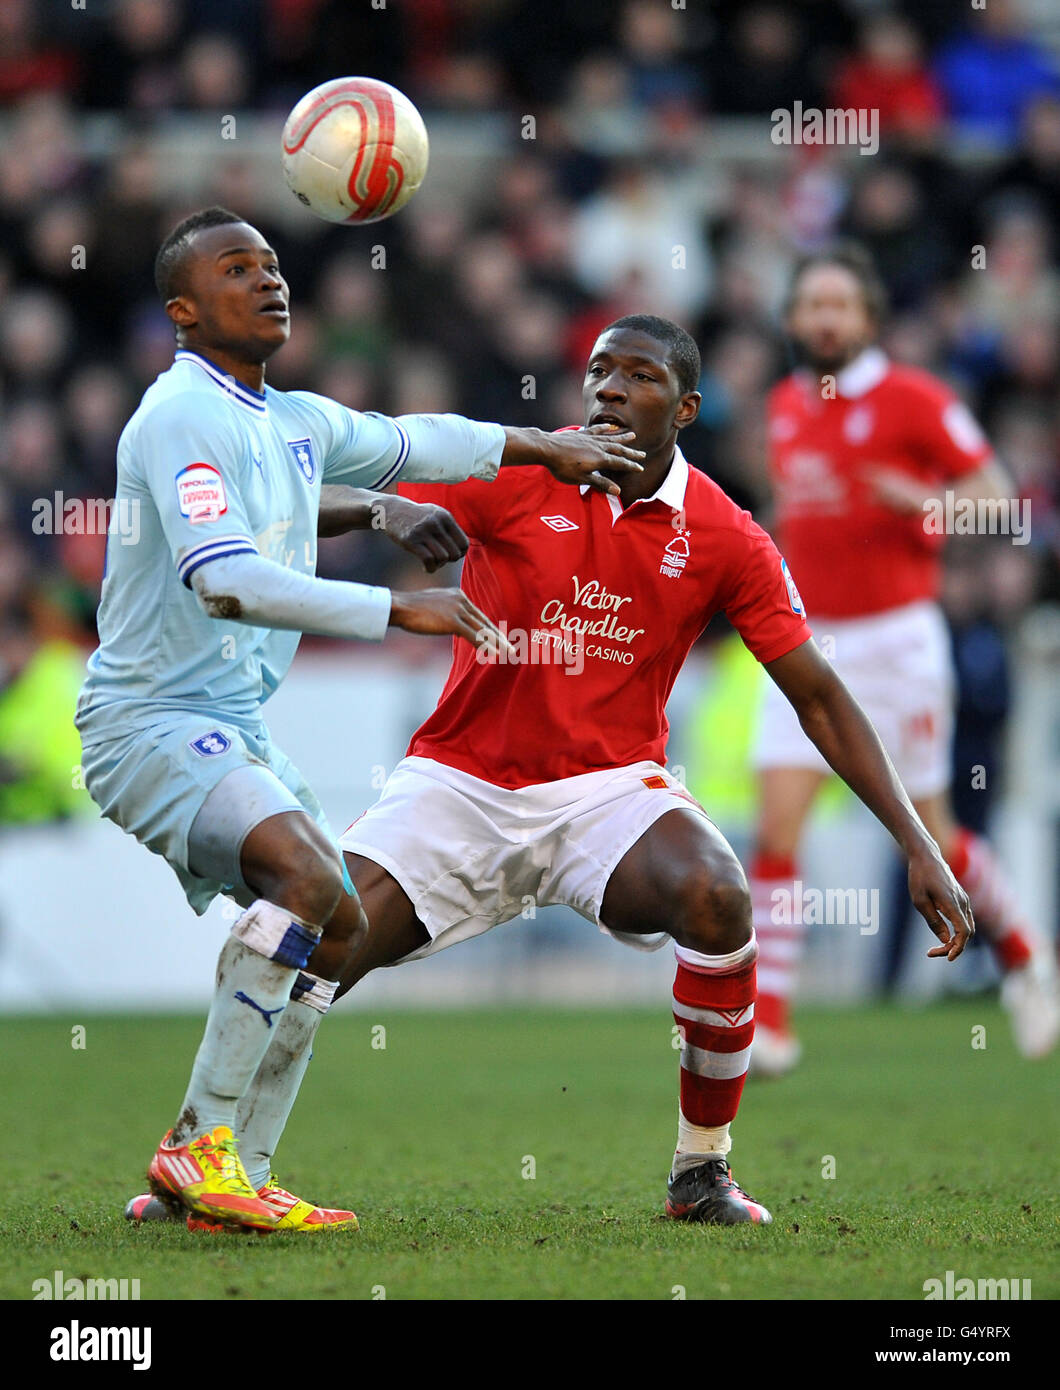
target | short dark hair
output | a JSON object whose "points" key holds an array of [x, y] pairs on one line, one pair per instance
{"points": [[850, 256], [683, 354], [172, 260]]}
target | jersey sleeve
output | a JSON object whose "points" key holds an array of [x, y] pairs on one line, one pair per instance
{"points": [[948, 439], [763, 603], [472, 504], [365, 449], [190, 461]]}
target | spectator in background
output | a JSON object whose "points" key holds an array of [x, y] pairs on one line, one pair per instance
{"points": [[31, 466], [30, 61], [132, 63], [600, 113], [60, 239], [754, 249], [653, 38], [983, 686], [214, 74], [888, 74], [762, 63], [887, 216], [1033, 171], [41, 155], [36, 338], [96, 405], [351, 302], [1017, 280], [992, 73], [129, 206], [640, 237]]}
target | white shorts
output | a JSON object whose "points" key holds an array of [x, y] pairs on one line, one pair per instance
{"points": [[898, 667], [471, 855]]}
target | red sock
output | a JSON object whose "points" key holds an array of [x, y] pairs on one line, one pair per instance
{"points": [[976, 868], [779, 945], [714, 1008]]}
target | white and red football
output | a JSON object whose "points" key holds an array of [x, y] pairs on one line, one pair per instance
{"points": [[354, 150]]}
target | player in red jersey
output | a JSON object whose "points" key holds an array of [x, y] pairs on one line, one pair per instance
{"points": [[858, 446], [545, 777]]}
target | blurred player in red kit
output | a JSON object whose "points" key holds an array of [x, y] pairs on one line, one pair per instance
{"points": [[859, 450]]}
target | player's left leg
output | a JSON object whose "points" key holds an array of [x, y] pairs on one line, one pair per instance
{"points": [[1029, 989], [294, 872], [682, 877], [265, 1106]]}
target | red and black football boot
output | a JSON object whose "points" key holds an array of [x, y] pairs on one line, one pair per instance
{"points": [[707, 1193]]}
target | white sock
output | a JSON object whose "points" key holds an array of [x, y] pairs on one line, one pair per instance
{"points": [[256, 969], [261, 1115], [695, 1144]]}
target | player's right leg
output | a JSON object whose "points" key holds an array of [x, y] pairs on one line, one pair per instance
{"points": [[1030, 989], [785, 799], [350, 948], [294, 873], [682, 877], [394, 930]]}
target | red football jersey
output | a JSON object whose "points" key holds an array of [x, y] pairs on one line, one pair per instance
{"points": [[602, 605], [852, 553]]}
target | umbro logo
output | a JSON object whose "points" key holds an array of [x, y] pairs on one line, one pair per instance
{"points": [[560, 523]]}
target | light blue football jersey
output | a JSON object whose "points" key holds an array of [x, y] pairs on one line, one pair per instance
{"points": [[208, 467]]}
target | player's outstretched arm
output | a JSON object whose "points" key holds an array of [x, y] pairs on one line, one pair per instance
{"points": [[836, 723], [422, 528], [249, 589], [376, 450], [575, 456], [903, 493]]}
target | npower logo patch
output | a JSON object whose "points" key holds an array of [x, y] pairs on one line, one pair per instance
{"points": [[201, 493]]}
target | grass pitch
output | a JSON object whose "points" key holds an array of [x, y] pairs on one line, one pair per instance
{"points": [[523, 1154]]}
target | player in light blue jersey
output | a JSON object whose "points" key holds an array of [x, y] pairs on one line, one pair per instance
{"points": [[221, 478]]}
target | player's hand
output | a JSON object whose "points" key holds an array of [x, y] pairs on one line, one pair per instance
{"points": [[942, 903], [579, 456], [424, 530], [440, 611], [897, 490]]}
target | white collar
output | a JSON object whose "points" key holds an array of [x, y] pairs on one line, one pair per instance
{"points": [[671, 490], [254, 401], [866, 371]]}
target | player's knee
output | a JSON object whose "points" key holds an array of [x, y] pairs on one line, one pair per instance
{"points": [[713, 909], [306, 879]]}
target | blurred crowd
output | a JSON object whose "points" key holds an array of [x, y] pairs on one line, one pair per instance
{"points": [[960, 207]]}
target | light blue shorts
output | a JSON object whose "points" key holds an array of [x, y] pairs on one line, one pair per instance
{"points": [[154, 781]]}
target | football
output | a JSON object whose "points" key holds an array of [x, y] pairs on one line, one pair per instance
{"points": [[354, 150]]}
